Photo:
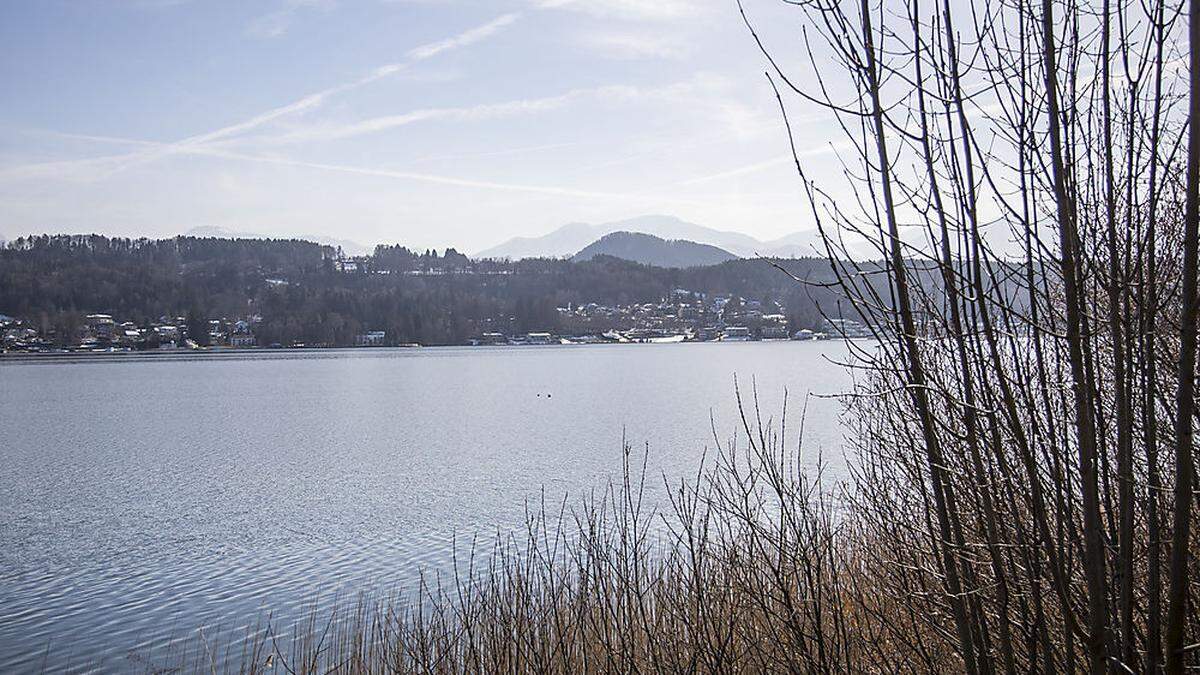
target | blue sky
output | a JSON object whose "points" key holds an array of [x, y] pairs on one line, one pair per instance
{"points": [[425, 122]]}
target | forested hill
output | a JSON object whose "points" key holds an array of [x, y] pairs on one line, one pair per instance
{"points": [[307, 292], [650, 250]]}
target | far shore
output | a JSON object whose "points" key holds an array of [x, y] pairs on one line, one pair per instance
{"points": [[253, 351]]}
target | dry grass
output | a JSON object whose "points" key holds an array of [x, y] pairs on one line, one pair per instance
{"points": [[751, 567], [756, 565]]}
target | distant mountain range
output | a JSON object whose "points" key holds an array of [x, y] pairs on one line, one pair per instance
{"points": [[568, 239], [648, 249], [349, 247], [573, 238]]}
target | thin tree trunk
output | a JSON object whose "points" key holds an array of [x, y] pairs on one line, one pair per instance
{"points": [[1097, 624], [1185, 396], [1149, 403], [918, 386]]}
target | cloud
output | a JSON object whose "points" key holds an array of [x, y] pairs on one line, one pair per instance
{"points": [[627, 9], [71, 169], [700, 91], [426, 177], [47, 168], [270, 25], [616, 93], [464, 39], [309, 102], [483, 111], [157, 4], [502, 152], [739, 171], [634, 46], [275, 24], [817, 149]]}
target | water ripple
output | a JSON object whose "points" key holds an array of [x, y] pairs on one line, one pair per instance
{"points": [[144, 500]]}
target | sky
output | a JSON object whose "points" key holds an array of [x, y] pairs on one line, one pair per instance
{"points": [[429, 123]]}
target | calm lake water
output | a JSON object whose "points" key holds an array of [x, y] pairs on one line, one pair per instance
{"points": [[144, 498]]}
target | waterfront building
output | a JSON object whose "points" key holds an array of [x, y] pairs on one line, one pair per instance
{"points": [[735, 334], [375, 338]]}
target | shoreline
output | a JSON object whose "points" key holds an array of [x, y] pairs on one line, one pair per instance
{"points": [[152, 354]]}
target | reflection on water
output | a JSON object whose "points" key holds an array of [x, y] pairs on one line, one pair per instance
{"points": [[143, 498]]}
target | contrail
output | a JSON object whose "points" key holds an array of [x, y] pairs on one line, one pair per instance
{"points": [[415, 55]]}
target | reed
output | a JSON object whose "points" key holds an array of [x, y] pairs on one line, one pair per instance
{"points": [[747, 567], [758, 563]]}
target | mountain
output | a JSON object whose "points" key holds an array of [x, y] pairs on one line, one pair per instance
{"points": [[348, 247], [570, 238], [650, 250]]}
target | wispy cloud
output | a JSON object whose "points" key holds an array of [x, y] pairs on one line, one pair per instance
{"points": [[157, 4], [812, 151], [309, 102], [739, 171], [502, 152], [421, 53], [271, 25], [46, 168], [276, 23], [427, 177], [616, 93], [463, 39], [627, 9], [486, 111], [634, 46]]}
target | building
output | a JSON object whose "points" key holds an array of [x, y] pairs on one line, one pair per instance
{"points": [[216, 332], [375, 338], [539, 339], [100, 326], [735, 334], [243, 340], [848, 328], [774, 331]]}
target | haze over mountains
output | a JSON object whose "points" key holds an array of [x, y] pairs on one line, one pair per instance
{"points": [[572, 238]]}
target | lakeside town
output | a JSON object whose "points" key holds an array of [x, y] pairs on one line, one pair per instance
{"points": [[684, 316], [351, 336]]}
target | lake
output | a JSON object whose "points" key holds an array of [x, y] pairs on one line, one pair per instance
{"points": [[145, 497]]}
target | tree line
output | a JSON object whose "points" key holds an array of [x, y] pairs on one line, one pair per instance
{"points": [[1024, 474], [310, 293]]}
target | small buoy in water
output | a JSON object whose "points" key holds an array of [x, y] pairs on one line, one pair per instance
{"points": [[547, 395]]}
